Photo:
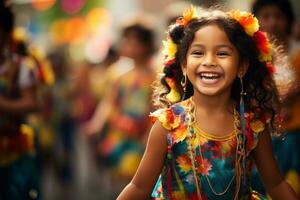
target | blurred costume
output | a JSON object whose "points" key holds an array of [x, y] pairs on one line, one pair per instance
{"points": [[120, 144]]}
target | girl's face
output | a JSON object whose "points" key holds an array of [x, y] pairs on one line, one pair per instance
{"points": [[212, 62]]}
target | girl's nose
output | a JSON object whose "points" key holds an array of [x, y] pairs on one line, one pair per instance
{"points": [[209, 61]]}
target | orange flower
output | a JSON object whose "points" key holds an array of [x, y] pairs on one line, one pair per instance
{"points": [[188, 15], [180, 133], [205, 167], [263, 45], [166, 117], [246, 20]]}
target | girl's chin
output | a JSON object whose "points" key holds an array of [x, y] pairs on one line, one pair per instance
{"points": [[209, 91]]}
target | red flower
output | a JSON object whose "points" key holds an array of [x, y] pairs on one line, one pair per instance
{"points": [[263, 45]]}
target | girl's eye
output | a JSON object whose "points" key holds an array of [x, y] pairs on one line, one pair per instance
{"points": [[198, 53], [222, 53]]}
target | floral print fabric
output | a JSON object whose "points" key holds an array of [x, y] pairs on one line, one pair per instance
{"points": [[214, 159]]}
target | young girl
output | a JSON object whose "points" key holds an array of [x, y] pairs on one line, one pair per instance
{"points": [[218, 69]]}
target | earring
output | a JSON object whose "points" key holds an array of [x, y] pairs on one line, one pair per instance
{"points": [[243, 93], [183, 82]]}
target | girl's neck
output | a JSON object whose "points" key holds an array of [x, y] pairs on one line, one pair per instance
{"points": [[210, 105]]}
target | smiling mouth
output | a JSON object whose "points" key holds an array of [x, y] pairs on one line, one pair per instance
{"points": [[209, 76]]}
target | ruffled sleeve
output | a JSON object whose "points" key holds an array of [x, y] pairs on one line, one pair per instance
{"points": [[173, 120]]}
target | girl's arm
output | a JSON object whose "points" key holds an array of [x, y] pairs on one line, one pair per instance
{"points": [[25, 104], [142, 184], [269, 171]]}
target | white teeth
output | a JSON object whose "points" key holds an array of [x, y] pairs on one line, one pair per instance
{"points": [[209, 75]]}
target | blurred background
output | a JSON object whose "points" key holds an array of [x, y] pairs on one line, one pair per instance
{"points": [[94, 62]]}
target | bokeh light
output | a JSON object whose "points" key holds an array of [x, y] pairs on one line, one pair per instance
{"points": [[76, 52], [57, 30], [97, 18], [96, 49], [42, 5], [72, 6], [74, 31]]}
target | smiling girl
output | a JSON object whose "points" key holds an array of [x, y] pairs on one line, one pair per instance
{"points": [[218, 104]]}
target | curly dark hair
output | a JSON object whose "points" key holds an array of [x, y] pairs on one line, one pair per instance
{"points": [[262, 96]]}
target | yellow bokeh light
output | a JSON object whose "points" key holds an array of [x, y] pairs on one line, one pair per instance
{"points": [[97, 18], [57, 31]]}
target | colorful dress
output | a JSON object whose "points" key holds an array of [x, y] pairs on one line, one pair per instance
{"points": [[18, 172], [121, 147], [213, 166]]}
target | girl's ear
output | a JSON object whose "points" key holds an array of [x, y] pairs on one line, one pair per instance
{"points": [[243, 69]]}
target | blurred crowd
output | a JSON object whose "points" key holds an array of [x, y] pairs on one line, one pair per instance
{"points": [[77, 130]]}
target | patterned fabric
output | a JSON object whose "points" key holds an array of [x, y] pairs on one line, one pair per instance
{"points": [[16, 138], [19, 178], [127, 124], [216, 162]]}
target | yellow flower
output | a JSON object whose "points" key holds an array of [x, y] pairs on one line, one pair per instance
{"points": [[167, 119], [257, 126], [246, 20], [173, 96], [170, 49]]}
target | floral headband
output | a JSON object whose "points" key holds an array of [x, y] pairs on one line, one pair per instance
{"points": [[245, 19]]}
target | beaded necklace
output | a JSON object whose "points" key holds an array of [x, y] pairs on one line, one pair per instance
{"points": [[191, 121]]}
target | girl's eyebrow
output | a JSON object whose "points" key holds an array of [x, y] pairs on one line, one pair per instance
{"points": [[225, 45], [217, 46]]}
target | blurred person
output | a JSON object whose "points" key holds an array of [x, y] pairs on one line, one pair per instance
{"points": [[289, 152], [18, 170], [57, 125], [81, 92], [276, 17], [101, 74], [121, 118]]}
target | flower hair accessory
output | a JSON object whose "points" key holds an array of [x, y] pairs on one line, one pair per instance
{"points": [[188, 15], [251, 27]]}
